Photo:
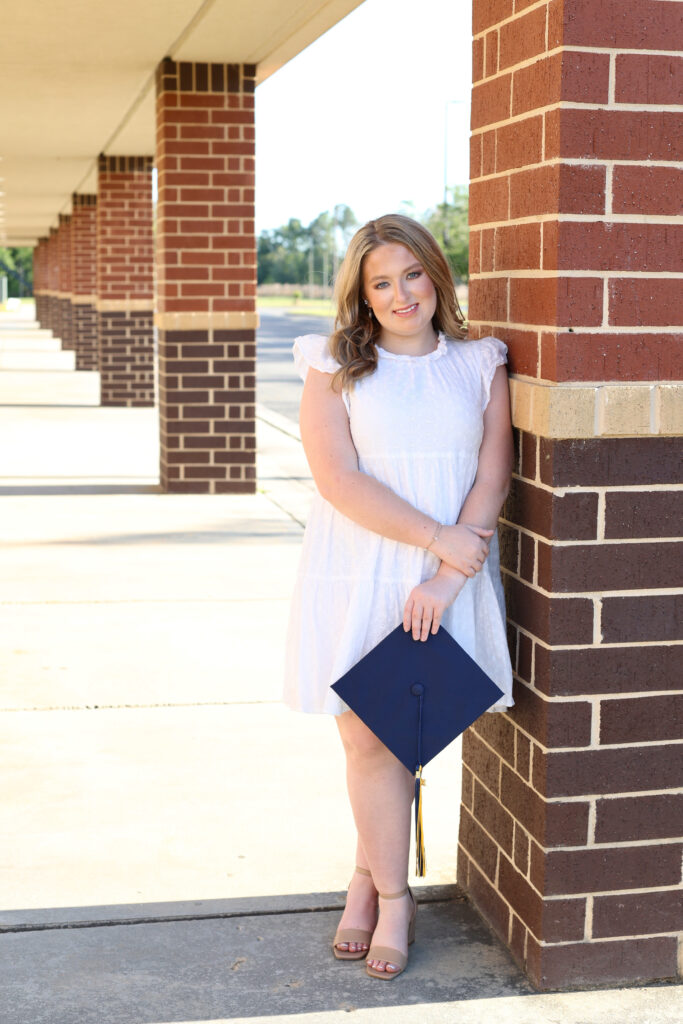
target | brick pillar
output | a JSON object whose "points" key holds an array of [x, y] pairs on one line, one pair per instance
{"points": [[58, 246], [572, 805], [52, 280], [64, 243], [125, 280], [84, 280], [206, 266], [40, 282]]}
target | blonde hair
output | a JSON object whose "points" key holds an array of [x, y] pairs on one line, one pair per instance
{"points": [[353, 342]]}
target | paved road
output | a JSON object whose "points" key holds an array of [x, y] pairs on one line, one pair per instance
{"points": [[278, 383]]}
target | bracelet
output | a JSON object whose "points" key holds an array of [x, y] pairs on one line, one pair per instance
{"points": [[439, 528]]}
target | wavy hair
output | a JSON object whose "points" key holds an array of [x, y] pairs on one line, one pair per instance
{"points": [[353, 342]]}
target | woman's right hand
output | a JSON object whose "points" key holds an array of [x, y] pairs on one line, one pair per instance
{"points": [[463, 547]]}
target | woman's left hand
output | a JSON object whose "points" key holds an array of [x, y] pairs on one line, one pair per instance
{"points": [[428, 601]]}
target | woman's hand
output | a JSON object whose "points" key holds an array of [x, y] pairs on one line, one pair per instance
{"points": [[463, 547], [428, 601]]}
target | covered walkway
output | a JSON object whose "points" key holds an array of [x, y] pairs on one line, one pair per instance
{"points": [[571, 802]]}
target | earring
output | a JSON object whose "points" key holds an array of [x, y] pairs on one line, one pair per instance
{"points": [[368, 308]]}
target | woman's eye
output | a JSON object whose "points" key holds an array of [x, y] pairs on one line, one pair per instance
{"points": [[381, 284], [414, 273]]}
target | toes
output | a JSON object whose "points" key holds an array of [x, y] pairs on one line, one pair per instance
{"points": [[382, 965], [352, 947]]}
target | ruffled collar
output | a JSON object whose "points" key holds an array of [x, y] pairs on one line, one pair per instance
{"points": [[435, 354]]}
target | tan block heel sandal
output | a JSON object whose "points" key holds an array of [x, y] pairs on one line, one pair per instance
{"points": [[386, 953], [357, 935]]}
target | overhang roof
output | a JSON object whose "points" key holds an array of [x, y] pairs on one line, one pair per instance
{"points": [[77, 79]]}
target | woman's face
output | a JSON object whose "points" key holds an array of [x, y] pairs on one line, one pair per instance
{"points": [[399, 291]]}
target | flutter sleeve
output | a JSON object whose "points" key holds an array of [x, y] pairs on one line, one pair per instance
{"points": [[313, 350], [494, 353]]}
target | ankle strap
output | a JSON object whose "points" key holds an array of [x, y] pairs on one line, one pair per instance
{"points": [[363, 871], [393, 895]]}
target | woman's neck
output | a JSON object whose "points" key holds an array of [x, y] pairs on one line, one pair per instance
{"points": [[409, 345]]}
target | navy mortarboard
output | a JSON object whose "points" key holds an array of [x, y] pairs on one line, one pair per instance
{"points": [[417, 696]]}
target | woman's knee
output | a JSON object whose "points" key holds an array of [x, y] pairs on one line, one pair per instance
{"points": [[359, 741]]}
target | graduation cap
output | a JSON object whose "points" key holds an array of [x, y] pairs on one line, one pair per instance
{"points": [[417, 696]]}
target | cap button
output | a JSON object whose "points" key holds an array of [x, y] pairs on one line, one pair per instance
{"points": [[417, 689]]}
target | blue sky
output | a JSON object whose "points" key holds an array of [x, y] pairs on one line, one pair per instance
{"points": [[363, 114]]}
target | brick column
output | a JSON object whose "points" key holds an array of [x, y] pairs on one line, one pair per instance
{"points": [[40, 282], [206, 266], [52, 281], [58, 247], [572, 802], [125, 280], [84, 280], [64, 294], [55, 282]]}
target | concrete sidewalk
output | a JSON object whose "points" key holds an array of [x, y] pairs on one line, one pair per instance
{"points": [[175, 843]]}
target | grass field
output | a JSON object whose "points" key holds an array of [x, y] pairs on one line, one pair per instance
{"points": [[306, 307], [14, 304]]}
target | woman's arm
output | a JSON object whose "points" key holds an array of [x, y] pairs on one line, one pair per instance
{"points": [[333, 460], [428, 601]]}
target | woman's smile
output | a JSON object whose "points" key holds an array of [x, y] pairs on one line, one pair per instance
{"points": [[402, 297]]}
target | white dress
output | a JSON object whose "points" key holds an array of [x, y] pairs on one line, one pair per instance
{"points": [[417, 425]]}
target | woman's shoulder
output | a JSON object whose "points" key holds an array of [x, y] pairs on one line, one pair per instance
{"points": [[313, 350], [480, 350], [475, 361]]}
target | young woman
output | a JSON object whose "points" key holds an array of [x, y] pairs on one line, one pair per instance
{"points": [[406, 427]]}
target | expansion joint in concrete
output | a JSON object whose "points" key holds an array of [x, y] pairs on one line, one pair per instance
{"points": [[324, 908]]}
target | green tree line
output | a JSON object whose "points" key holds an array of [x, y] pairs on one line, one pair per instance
{"points": [[302, 254], [17, 265], [310, 254]]}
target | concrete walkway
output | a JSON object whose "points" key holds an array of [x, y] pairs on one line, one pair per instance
{"points": [[175, 843]]}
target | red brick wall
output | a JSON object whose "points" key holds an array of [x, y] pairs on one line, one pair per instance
{"points": [[206, 266], [570, 833], [40, 283], [53, 282], [125, 280], [45, 304], [84, 280], [64, 272]]}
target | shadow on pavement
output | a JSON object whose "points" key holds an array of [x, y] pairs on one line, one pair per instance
{"points": [[21, 490], [237, 532], [237, 959]]}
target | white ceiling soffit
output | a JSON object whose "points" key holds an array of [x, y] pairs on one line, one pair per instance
{"points": [[77, 78]]}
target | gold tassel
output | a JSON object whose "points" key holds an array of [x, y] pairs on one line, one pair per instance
{"points": [[420, 859]]}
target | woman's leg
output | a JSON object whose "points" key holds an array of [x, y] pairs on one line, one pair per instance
{"points": [[381, 792], [361, 903]]}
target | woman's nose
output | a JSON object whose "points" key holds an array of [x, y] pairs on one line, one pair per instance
{"points": [[400, 291]]}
